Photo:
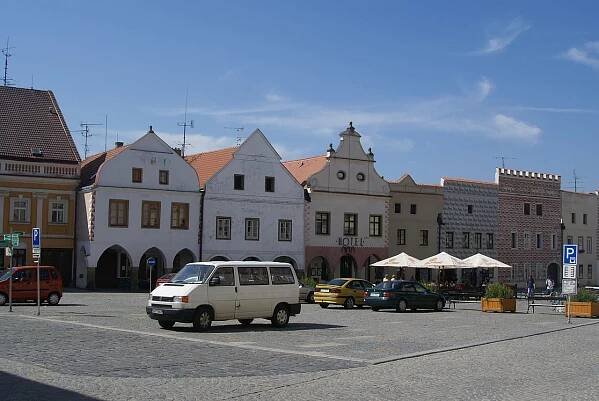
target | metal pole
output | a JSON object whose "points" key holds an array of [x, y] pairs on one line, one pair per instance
{"points": [[10, 280], [38, 285], [150, 268], [568, 310]]}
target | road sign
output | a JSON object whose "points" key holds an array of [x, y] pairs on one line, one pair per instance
{"points": [[36, 251], [569, 272], [15, 239], [5, 244], [570, 254], [569, 286], [8, 251], [36, 235], [151, 262]]}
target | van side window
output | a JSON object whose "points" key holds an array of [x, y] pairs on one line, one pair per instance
{"points": [[253, 275], [226, 275], [281, 275]]}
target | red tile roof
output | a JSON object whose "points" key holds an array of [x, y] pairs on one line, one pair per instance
{"points": [[31, 119], [302, 169], [91, 165], [207, 164]]}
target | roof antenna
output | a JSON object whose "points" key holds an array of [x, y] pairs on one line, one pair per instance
{"points": [[6, 52], [503, 159], [86, 134], [105, 132], [185, 124], [239, 139]]}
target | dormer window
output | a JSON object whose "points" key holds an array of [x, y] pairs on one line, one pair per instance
{"points": [[37, 152]]}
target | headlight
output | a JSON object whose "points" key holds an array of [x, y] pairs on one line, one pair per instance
{"points": [[183, 299]]}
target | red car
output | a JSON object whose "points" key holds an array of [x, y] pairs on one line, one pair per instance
{"points": [[165, 279], [24, 285]]}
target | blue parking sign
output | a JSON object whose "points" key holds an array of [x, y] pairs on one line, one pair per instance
{"points": [[35, 237], [151, 262], [570, 254]]}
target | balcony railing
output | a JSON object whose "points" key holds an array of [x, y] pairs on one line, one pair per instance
{"points": [[39, 169]]}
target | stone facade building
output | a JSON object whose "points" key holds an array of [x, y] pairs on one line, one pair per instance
{"points": [[39, 175], [413, 225], [346, 210], [469, 223], [529, 216], [579, 215]]}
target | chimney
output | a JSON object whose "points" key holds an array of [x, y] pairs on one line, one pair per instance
{"points": [[177, 151], [118, 144]]}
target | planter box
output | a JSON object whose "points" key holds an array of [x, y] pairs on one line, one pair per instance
{"points": [[582, 309], [498, 304]]}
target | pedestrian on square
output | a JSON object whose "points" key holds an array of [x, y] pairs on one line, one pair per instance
{"points": [[549, 283], [530, 285], [386, 278]]}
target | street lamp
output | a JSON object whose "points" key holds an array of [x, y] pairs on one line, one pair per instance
{"points": [[439, 224], [562, 227]]}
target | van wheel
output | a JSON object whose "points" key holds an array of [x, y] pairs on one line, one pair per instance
{"points": [[53, 299], [202, 319], [281, 316], [349, 303], [246, 322], [3, 299], [166, 324], [324, 306]]}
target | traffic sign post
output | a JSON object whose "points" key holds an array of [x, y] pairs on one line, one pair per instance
{"points": [[150, 262], [569, 274], [9, 241], [36, 235]]}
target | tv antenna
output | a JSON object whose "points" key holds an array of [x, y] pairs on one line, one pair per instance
{"points": [[503, 159], [576, 180], [6, 52], [185, 124], [239, 138], [86, 134]]}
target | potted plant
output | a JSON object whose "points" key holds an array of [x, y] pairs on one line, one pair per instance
{"points": [[498, 298], [583, 304]]}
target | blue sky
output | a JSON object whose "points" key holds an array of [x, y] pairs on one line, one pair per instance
{"points": [[436, 88]]}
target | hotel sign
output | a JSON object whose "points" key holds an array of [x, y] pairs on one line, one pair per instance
{"points": [[349, 244]]}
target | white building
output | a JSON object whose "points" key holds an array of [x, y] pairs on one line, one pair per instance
{"points": [[347, 211], [252, 206], [136, 202]]}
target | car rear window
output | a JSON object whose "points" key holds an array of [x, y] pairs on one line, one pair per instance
{"points": [[281, 275], [337, 281], [253, 275]]}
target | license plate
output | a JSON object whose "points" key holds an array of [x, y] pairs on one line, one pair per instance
{"points": [[374, 294], [157, 311], [324, 290]]}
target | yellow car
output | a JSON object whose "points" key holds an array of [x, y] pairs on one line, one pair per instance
{"points": [[342, 291]]}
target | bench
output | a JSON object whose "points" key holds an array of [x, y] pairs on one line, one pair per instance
{"points": [[533, 304], [461, 301]]}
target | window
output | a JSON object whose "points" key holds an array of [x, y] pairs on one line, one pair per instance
{"points": [[589, 272], [360, 177], [490, 239], [584, 219], [58, 212], [398, 208], [226, 276], [375, 224], [570, 239], [350, 224], [323, 223], [413, 208], [470, 207], [401, 236], [269, 184], [526, 240], [478, 240], [252, 229], [223, 228], [449, 239], [573, 218], [281, 275], [580, 271], [423, 237], [285, 230], [553, 241], [539, 241], [136, 174], [163, 177], [20, 210], [180, 216], [581, 244], [514, 240], [150, 214], [238, 182], [253, 275], [589, 245], [539, 210], [466, 241], [527, 208], [118, 212]]}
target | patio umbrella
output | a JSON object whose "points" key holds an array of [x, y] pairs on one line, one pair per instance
{"points": [[484, 261], [400, 261], [442, 261]]}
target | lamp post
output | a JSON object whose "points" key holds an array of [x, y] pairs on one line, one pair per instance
{"points": [[562, 227], [439, 224]]}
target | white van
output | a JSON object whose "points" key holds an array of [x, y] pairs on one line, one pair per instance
{"points": [[205, 291]]}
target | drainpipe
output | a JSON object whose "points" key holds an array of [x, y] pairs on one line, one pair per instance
{"points": [[74, 256], [201, 233]]}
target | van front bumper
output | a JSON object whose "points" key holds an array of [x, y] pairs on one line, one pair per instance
{"points": [[175, 315]]}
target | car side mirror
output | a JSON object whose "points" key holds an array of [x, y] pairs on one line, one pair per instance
{"points": [[214, 281]]}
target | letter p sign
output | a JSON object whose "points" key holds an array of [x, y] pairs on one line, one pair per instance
{"points": [[570, 254]]}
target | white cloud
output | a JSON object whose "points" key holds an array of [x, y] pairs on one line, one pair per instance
{"points": [[485, 86], [500, 40], [509, 128], [573, 110], [588, 55]]}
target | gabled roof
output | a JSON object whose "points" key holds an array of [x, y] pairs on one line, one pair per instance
{"points": [[206, 164], [91, 165], [31, 119], [302, 169]]}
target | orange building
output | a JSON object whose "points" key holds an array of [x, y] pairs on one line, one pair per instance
{"points": [[39, 174]]}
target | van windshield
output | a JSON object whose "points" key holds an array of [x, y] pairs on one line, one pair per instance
{"points": [[193, 273]]}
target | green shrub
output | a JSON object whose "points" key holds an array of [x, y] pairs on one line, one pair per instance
{"points": [[428, 286], [308, 281], [584, 295], [498, 290]]}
